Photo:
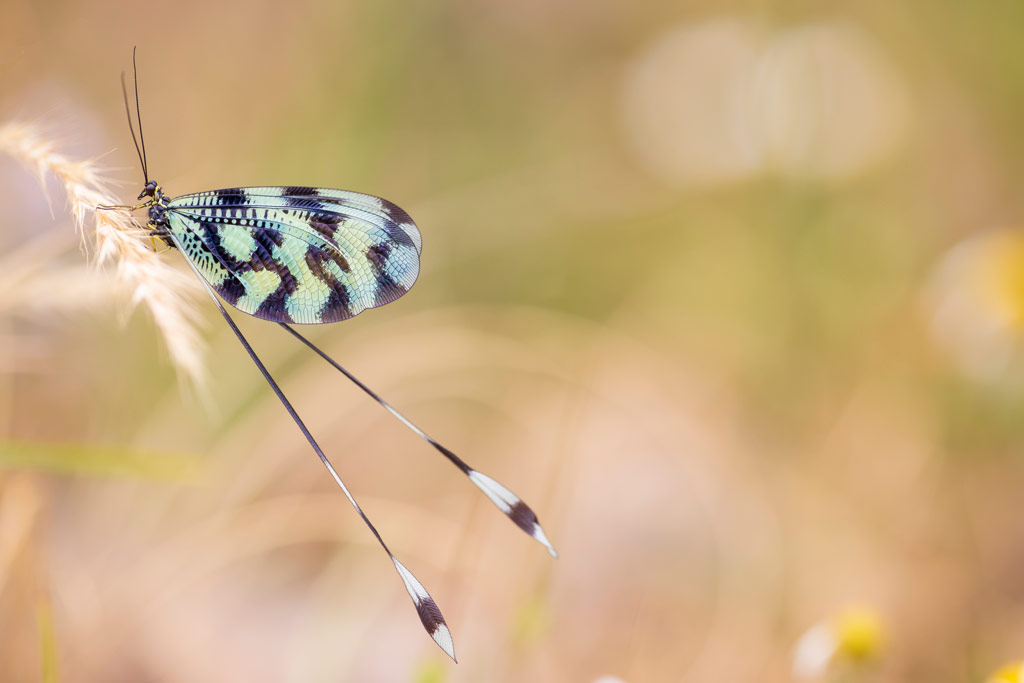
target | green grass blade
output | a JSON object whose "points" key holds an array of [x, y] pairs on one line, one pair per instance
{"points": [[47, 641], [92, 460]]}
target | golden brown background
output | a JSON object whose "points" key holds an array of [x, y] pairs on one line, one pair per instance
{"points": [[731, 293]]}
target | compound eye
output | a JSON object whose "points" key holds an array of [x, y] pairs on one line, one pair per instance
{"points": [[149, 190]]}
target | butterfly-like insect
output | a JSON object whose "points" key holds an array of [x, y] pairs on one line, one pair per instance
{"points": [[307, 255]]}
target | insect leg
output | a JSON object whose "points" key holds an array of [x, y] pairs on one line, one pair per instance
{"points": [[123, 207]]}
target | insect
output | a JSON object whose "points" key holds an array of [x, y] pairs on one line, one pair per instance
{"points": [[307, 255]]}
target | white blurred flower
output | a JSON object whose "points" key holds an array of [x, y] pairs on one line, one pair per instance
{"points": [[609, 679], [826, 102], [976, 298], [814, 651], [721, 101], [684, 104]]}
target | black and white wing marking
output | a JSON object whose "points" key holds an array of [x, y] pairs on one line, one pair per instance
{"points": [[298, 254]]}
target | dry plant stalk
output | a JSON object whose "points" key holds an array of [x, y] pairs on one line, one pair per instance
{"points": [[118, 241], [29, 281]]}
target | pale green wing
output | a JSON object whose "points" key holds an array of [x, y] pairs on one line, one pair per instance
{"points": [[302, 255]]}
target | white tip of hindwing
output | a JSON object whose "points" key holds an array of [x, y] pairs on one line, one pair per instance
{"points": [[428, 610], [509, 503]]}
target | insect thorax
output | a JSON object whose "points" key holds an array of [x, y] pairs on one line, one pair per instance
{"points": [[157, 224]]}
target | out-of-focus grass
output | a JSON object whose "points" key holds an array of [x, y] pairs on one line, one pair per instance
{"points": [[48, 646], [98, 460], [683, 274]]}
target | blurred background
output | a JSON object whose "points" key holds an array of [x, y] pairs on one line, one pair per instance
{"points": [[731, 293]]}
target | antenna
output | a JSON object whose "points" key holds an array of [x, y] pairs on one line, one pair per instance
{"points": [[128, 112], [138, 114]]}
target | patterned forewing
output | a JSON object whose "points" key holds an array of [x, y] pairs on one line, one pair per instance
{"points": [[302, 255]]}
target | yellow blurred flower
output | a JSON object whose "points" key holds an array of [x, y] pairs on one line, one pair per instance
{"points": [[860, 634], [531, 622], [430, 671], [853, 637], [977, 300], [1011, 673]]}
